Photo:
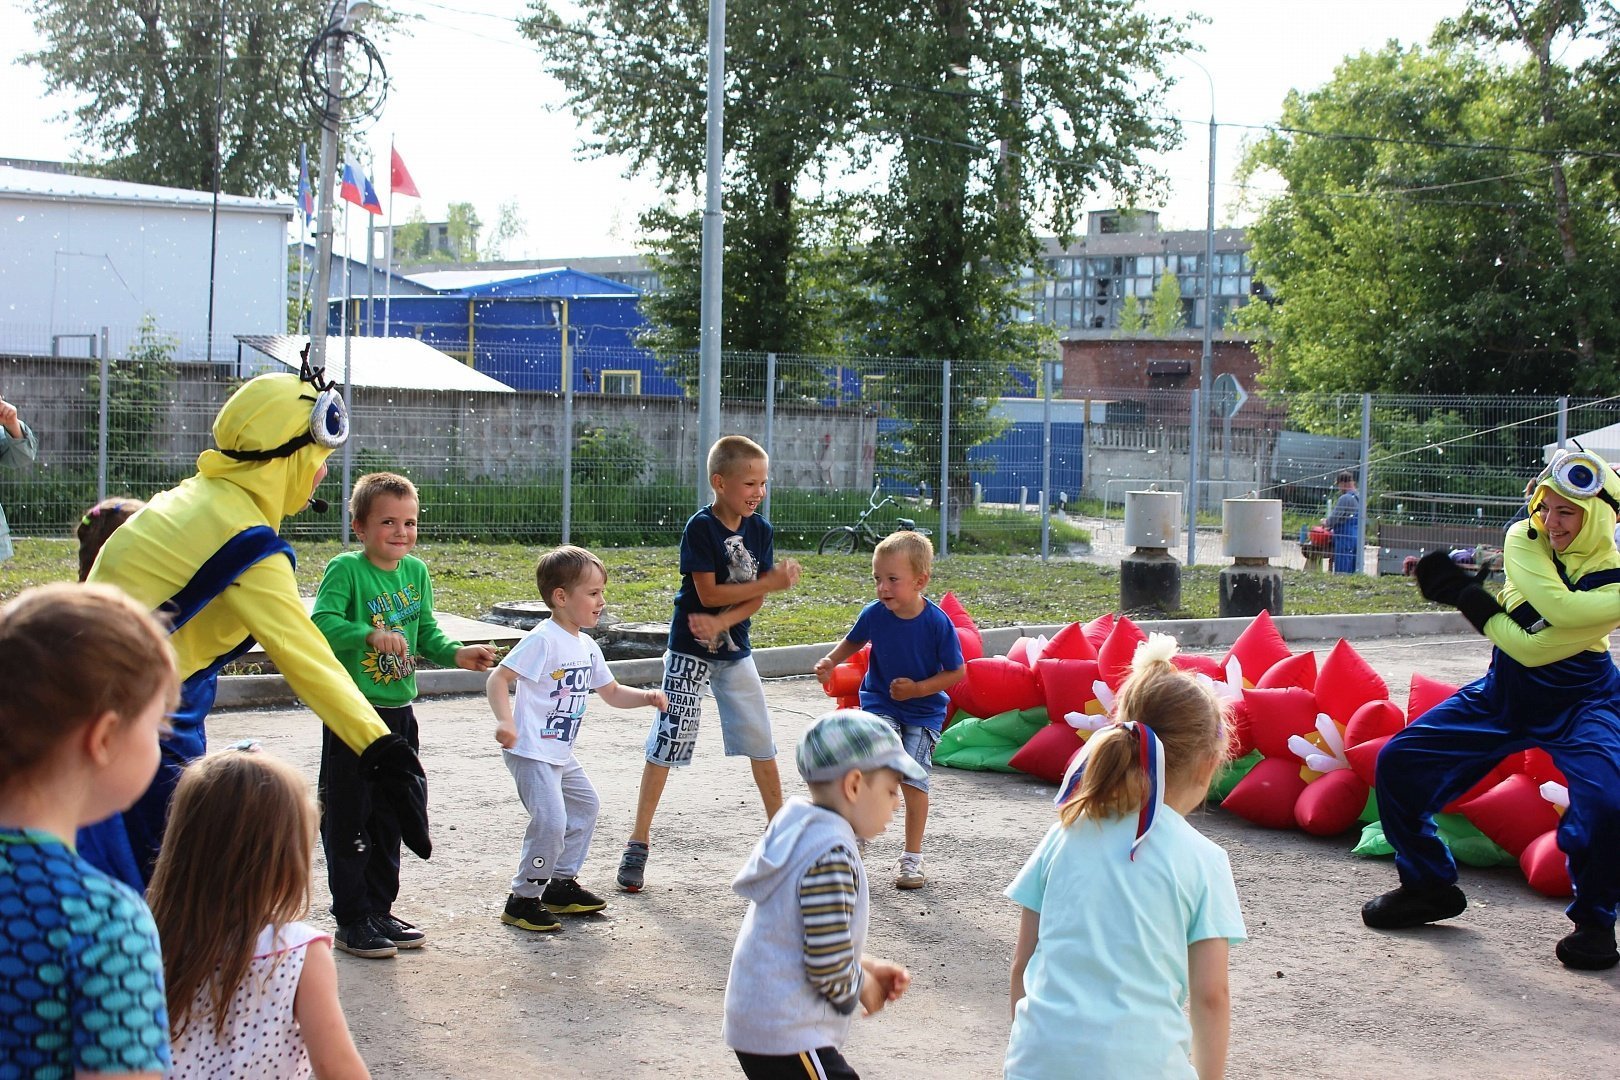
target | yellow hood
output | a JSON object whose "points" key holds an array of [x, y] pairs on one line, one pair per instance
{"points": [[264, 414], [1593, 547]]}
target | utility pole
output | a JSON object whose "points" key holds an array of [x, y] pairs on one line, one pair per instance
{"points": [[709, 358]]}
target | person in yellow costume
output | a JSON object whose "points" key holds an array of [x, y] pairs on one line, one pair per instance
{"points": [[1551, 684], [207, 556]]}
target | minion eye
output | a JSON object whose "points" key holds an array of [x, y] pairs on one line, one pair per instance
{"points": [[329, 420]]}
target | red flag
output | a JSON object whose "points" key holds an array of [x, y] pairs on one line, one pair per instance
{"points": [[399, 178]]}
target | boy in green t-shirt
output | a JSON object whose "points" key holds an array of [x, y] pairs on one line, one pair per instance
{"points": [[375, 607]]}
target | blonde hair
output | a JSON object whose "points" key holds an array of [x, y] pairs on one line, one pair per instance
{"points": [[236, 857], [98, 523], [370, 486], [69, 654], [730, 451], [1182, 711], [564, 568], [917, 548]]}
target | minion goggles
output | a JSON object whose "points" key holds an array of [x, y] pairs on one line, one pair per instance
{"points": [[328, 420], [1577, 475]]}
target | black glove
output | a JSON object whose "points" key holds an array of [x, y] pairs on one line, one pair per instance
{"points": [[1444, 582], [396, 774]]}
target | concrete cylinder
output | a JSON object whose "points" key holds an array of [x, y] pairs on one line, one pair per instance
{"points": [[1251, 528], [1150, 578], [1152, 518], [1247, 590]]}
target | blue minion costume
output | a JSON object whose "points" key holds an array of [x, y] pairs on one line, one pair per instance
{"points": [[1551, 684], [207, 557]]}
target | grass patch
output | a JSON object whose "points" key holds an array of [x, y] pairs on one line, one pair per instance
{"points": [[1000, 590]]}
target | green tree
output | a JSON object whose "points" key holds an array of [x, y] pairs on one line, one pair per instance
{"points": [[1132, 320], [462, 231], [509, 227], [146, 75], [1422, 248], [411, 240], [1165, 315]]}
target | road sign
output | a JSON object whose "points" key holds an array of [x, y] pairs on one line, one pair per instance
{"points": [[1228, 396]]}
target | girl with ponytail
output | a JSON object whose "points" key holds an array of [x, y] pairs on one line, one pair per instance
{"points": [[1128, 910]]}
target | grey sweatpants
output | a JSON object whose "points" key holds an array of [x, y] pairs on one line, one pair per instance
{"points": [[562, 806]]}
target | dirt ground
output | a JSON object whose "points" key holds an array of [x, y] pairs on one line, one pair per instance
{"points": [[637, 990]]}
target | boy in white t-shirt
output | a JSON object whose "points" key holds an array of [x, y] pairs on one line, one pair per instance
{"points": [[554, 669]]}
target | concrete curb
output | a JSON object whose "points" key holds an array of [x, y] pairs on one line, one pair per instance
{"points": [[255, 691]]}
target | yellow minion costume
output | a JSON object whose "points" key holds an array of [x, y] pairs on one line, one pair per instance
{"points": [[1551, 684], [206, 555]]}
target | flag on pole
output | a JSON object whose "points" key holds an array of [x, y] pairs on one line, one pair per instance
{"points": [[358, 190], [306, 193], [399, 179]]}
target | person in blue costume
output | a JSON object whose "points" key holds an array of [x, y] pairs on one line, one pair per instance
{"points": [[206, 555], [1551, 684]]}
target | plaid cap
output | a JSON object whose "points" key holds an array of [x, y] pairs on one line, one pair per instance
{"points": [[852, 739]]}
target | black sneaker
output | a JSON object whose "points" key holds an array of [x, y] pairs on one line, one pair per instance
{"points": [[565, 896], [1409, 906], [364, 939], [1589, 948], [528, 913], [633, 866], [400, 932]]}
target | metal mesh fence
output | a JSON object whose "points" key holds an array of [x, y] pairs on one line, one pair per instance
{"points": [[609, 455]]}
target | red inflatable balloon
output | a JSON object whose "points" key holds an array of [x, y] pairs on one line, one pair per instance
{"points": [[1199, 665], [1504, 769], [1512, 813], [1257, 648], [1066, 685], [1373, 720], [1363, 758], [1267, 795], [1331, 804], [1276, 714], [1071, 643], [1345, 682], [1425, 694], [1538, 764], [1240, 729], [967, 631], [1118, 651], [1098, 629], [1297, 670], [1546, 867], [1047, 755], [994, 685]]}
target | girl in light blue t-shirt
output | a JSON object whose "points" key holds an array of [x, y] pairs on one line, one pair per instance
{"points": [[1122, 929]]}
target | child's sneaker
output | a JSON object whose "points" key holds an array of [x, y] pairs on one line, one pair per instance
{"points": [[363, 938], [400, 932], [633, 866], [910, 874], [528, 913], [565, 896]]}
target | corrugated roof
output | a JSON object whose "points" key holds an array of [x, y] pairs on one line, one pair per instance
{"points": [[27, 183], [557, 281], [400, 363]]}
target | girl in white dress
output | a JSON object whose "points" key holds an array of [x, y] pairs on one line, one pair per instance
{"points": [[252, 992]]}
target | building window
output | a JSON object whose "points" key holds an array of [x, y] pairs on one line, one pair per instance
{"points": [[626, 383]]}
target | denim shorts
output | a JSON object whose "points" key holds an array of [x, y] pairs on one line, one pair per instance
{"points": [[919, 742], [739, 697]]}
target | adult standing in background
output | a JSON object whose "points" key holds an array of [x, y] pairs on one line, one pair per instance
{"points": [[15, 438], [1342, 520]]}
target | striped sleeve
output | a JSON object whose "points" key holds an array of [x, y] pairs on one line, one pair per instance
{"points": [[827, 904]]}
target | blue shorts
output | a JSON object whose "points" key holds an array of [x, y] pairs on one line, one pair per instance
{"points": [[919, 742], [739, 696]]}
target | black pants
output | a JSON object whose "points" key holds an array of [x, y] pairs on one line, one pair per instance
{"points": [[360, 834], [823, 1064]]}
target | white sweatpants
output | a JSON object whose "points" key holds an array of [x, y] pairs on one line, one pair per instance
{"points": [[562, 806]]}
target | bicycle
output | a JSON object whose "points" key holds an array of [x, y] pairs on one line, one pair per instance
{"points": [[848, 539]]}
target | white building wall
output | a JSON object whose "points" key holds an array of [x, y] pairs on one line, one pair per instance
{"points": [[74, 267]]}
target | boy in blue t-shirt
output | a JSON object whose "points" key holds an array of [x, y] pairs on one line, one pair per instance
{"points": [[728, 565], [916, 657]]}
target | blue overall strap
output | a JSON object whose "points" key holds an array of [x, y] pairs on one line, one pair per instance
{"points": [[231, 561], [1530, 619]]}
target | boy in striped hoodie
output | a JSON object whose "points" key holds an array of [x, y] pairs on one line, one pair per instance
{"points": [[798, 969]]}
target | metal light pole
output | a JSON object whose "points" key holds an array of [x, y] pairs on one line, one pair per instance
{"points": [[1206, 361], [713, 250]]}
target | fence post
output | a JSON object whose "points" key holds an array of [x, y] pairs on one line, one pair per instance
{"points": [[1563, 422], [945, 459], [1192, 481], [105, 367], [1046, 460], [1366, 492], [770, 420], [568, 432]]}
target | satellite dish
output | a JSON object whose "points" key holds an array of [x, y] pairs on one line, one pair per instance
{"points": [[1228, 396]]}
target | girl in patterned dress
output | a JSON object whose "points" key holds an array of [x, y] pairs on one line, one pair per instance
{"points": [[252, 991]]}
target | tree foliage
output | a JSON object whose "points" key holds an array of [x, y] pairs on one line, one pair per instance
{"points": [[146, 75], [1165, 314], [1452, 235]]}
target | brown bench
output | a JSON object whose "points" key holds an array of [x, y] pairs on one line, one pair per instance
{"points": [[1397, 542]]}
